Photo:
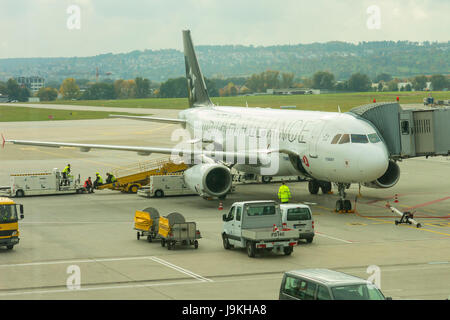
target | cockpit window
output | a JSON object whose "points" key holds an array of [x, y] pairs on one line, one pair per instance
{"points": [[335, 139], [359, 138], [345, 139], [374, 138]]}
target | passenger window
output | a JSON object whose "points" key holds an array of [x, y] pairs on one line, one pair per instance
{"points": [[238, 214], [292, 287], [231, 214], [296, 214], [344, 139], [335, 139], [323, 294], [310, 289]]}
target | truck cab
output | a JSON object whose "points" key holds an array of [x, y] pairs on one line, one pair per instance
{"points": [[9, 222], [257, 226]]}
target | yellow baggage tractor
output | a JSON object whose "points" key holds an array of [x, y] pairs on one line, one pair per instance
{"points": [[174, 229], [146, 223]]}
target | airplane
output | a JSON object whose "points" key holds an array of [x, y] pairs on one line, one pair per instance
{"points": [[323, 147]]}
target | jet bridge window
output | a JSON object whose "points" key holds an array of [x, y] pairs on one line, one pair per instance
{"points": [[374, 138], [359, 138], [335, 139], [344, 139]]}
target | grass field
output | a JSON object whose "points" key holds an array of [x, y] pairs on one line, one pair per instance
{"points": [[8, 114], [320, 102]]}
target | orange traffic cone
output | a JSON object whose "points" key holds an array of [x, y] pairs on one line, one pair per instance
{"points": [[220, 205], [396, 198]]}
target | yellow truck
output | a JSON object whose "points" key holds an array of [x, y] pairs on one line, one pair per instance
{"points": [[9, 222]]}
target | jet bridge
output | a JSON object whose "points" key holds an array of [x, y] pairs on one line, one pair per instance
{"points": [[409, 131]]}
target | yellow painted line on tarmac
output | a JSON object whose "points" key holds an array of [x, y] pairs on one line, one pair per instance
{"points": [[391, 222], [422, 229], [424, 209]]}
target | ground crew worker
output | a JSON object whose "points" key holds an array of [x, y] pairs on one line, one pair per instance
{"points": [[98, 180], [284, 194], [65, 175], [110, 178], [88, 185]]}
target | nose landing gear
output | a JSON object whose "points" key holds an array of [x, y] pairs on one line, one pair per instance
{"points": [[343, 205]]}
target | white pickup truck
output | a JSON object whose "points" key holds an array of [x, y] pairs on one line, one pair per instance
{"points": [[257, 226]]}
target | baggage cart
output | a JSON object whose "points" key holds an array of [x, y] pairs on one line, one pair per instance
{"points": [[146, 223], [174, 229]]}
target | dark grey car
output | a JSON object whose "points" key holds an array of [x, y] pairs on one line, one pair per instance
{"points": [[324, 284]]}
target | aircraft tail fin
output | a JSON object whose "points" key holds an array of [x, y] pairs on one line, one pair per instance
{"points": [[197, 92]]}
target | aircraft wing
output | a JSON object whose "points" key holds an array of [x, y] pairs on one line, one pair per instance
{"points": [[153, 119], [252, 156]]}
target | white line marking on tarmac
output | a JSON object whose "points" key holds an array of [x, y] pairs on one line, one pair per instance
{"points": [[98, 288], [71, 262], [175, 267], [75, 222], [330, 237]]}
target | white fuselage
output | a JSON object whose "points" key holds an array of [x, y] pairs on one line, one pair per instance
{"points": [[304, 135]]}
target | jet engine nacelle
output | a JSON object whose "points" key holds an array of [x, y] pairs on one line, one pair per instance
{"points": [[209, 179], [388, 179]]}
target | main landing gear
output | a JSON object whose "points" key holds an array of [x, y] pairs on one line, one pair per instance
{"points": [[343, 204], [315, 185]]}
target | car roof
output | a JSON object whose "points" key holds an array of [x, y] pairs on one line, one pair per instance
{"points": [[294, 205], [256, 201], [327, 277]]}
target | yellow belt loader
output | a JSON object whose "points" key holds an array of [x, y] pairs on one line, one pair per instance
{"points": [[134, 177]]}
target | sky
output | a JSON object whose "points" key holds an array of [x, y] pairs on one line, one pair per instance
{"points": [[67, 28]]}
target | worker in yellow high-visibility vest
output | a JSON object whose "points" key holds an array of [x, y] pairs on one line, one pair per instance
{"points": [[284, 194], [65, 175]]}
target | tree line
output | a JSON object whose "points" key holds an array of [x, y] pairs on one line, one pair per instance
{"points": [[256, 83]]}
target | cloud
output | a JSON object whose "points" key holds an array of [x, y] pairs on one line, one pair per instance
{"points": [[39, 27]]}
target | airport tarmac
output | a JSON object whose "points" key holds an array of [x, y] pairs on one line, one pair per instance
{"points": [[95, 233]]}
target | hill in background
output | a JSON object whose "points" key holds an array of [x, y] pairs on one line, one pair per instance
{"points": [[400, 59]]}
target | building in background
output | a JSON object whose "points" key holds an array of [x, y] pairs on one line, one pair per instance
{"points": [[32, 83], [4, 98]]}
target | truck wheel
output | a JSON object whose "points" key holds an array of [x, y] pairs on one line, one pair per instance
{"points": [[196, 244], [251, 250], [226, 242], [266, 179], [10, 247], [163, 242], [309, 240], [20, 193], [138, 235], [149, 238], [133, 189], [159, 193], [288, 250]]}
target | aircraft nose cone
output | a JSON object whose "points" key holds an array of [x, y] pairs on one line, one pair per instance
{"points": [[373, 163]]}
